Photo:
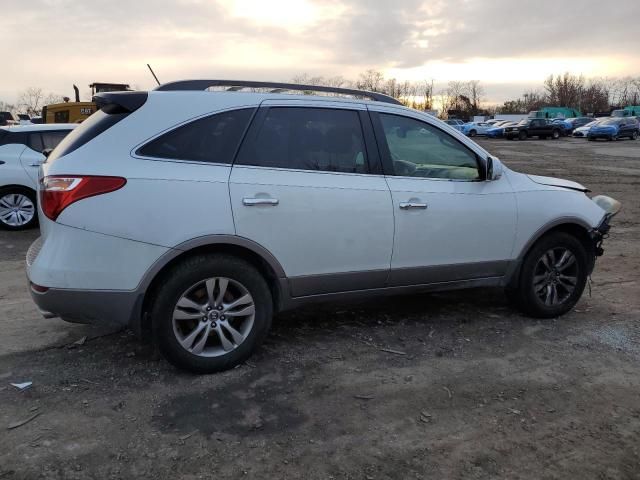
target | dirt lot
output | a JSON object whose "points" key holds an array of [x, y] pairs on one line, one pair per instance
{"points": [[480, 391]]}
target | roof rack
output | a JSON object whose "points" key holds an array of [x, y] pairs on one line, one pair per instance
{"points": [[276, 87]]}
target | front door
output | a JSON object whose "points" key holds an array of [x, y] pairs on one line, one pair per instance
{"points": [[451, 224], [307, 186]]}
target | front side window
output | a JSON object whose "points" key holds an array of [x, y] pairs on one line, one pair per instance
{"points": [[212, 139], [418, 149], [318, 139], [35, 142]]}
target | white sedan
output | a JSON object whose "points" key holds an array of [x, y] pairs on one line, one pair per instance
{"points": [[21, 148]]}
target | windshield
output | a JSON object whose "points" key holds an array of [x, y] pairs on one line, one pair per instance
{"points": [[611, 121], [524, 122]]}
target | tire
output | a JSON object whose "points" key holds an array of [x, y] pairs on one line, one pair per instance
{"points": [[555, 134], [522, 136], [18, 208], [634, 136], [473, 133], [184, 294], [534, 295]]}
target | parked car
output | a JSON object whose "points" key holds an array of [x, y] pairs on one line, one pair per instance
{"points": [[565, 126], [581, 132], [472, 129], [193, 215], [578, 122], [7, 118], [457, 124], [615, 129], [493, 121], [533, 127], [20, 157], [497, 131]]}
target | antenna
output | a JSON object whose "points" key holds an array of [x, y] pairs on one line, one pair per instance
{"points": [[152, 73]]}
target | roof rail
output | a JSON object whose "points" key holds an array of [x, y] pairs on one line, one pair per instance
{"points": [[276, 87]]}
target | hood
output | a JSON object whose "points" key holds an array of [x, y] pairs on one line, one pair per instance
{"points": [[558, 182]]}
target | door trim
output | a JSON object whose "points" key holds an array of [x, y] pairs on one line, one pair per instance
{"points": [[337, 282], [407, 276]]}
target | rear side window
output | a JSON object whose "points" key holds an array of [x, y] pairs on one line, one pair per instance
{"points": [[35, 142], [53, 138], [319, 139], [213, 139]]}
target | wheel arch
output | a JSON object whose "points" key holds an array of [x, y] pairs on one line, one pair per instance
{"points": [[20, 186], [240, 247], [573, 226]]}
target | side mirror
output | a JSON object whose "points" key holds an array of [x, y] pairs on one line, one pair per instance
{"points": [[47, 151], [494, 168]]}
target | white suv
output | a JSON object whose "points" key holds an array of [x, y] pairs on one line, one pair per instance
{"points": [[196, 214], [21, 154]]}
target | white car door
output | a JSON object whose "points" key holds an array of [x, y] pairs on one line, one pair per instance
{"points": [[37, 141], [307, 185], [450, 224]]}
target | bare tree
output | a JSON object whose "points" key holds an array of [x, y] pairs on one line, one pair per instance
{"points": [[31, 100], [371, 80]]}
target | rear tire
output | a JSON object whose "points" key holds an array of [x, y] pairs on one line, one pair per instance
{"points": [[556, 134], [18, 208], [195, 323], [634, 136], [473, 133], [552, 277]]}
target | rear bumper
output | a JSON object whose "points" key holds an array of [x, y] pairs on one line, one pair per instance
{"points": [[88, 306]]}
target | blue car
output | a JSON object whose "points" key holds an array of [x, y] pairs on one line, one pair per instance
{"points": [[615, 128], [457, 124], [566, 127], [497, 131]]}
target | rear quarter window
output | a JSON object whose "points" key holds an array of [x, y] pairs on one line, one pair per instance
{"points": [[212, 139]]}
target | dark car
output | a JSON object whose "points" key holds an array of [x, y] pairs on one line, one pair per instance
{"points": [[615, 128], [533, 127], [6, 118], [578, 122]]}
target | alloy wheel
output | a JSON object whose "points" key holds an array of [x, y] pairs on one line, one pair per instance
{"points": [[555, 276], [213, 317], [16, 209]]}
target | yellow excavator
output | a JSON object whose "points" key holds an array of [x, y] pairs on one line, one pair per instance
{"points": [[76, 112]]}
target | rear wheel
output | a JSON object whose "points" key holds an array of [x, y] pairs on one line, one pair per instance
{"points": [[17, 208], [211, 312], [552, 278], [473, 133], [556, 134], [634, 136]]}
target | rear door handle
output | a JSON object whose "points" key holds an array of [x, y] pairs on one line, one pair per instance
{"points": [[408, 205], [250, 202]]}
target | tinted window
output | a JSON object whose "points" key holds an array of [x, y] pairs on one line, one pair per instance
{"points": [[211, 139], [320, 139], [61, 116], [87, 130], [35, 142], [418, 149], [53, 138]]}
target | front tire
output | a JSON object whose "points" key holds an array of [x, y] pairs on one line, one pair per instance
{"points": [[634, 136], [556, 134], [522, 136], [18, 208], [211, 312], [552, 278], [473, 133]]}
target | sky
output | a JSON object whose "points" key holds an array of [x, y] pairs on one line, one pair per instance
{"points": [[510, 46]]}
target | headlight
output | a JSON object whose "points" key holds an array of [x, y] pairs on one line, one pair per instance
{"points": [[608, 204]]}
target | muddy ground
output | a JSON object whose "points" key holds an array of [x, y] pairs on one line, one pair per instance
{"points": [[480, 392]]}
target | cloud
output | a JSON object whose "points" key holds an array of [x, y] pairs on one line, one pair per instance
{"points": [[54, 43]]}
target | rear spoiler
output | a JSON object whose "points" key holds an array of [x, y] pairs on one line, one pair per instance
{"points": [[120, 102]]}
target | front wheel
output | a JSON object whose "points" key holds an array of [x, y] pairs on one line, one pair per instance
{"points": [[556, 134], [552, 278], [473, 133], [634, 136], [17, 208], [522, 135], [211, 312]]}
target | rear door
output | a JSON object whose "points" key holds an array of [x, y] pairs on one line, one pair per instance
{"points": [[37, 141], [307, 185]]}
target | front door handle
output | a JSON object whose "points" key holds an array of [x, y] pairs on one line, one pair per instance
{"points": [[408, 205], [250, 202], [35, 164]]}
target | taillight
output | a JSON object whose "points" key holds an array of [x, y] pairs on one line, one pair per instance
{"points": [[57, 192]]}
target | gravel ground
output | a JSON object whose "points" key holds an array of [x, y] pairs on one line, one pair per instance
{"points": [[474, 389]]}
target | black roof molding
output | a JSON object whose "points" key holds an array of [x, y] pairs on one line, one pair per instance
{"points": [[120, 102], [276, 87]]}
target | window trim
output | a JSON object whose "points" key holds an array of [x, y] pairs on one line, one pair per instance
{"points": [[385, 152], [135, 151], [372, 156]]}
